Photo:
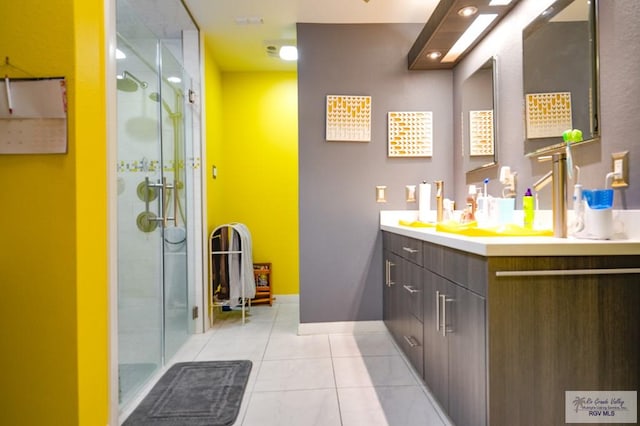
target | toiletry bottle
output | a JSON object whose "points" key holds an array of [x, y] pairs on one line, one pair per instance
{"points": [[471, 203], [528, 208]]}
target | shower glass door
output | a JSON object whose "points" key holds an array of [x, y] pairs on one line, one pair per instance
{"points": [[171, 110], [153, 302]]}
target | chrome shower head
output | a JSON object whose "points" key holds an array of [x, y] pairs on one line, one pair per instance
{"points": [[128, 82]]}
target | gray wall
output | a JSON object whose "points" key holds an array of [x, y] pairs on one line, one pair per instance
{"points": [[340, 247], [340, 244], [619, 100]]}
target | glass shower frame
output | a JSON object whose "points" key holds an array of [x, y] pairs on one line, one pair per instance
{"points": [[154, 293]]}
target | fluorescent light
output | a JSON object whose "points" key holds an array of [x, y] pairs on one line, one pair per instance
{"points": [[499, 2], [120, 54], [469, 36], [288, 53]]}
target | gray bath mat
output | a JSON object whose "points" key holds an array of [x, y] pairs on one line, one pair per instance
{"points": [[205, 393]]}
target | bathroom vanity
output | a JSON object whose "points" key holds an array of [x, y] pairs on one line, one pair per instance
{"points": [[500, 327]]}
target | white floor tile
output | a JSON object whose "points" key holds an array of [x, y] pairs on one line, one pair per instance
{"points": [[313, 380], [288, 346], [227, 347], [296, 374], [372, 371], [387, 406], [293, 408], [376, 344]]}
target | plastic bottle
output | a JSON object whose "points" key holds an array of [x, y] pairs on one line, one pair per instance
{"points": [[528, 208], [471, 203]]}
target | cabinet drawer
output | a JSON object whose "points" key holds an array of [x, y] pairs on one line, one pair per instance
{"points": [[411, 288], [407, 248], [411, 344], [465, 269]]}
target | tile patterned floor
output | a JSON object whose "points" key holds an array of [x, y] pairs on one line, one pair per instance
{"points": [[318, 380]]}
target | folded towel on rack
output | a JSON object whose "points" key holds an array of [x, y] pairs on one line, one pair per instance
{"points": [[241, 273]]}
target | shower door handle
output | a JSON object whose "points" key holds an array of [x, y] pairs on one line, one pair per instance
{"points": [[164, 187], [165, 203], [173, 187]]}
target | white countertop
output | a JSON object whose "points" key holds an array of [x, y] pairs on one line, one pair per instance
{"points": [[520, 246]]}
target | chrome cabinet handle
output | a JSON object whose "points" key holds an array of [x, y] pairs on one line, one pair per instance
{"points": [[444, 315], [437, 311], [411, 341], [410, 250], [388, 265], [410, 289], [444, 299]]}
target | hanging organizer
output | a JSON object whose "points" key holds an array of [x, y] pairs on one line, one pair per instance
{"points": [[33, 113], [231, 269]]}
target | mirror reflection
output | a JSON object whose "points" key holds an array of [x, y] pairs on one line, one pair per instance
{"points": [[479, 121], [559, 70]]}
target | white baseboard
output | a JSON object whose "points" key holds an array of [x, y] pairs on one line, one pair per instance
{"points": [[342, 327]]}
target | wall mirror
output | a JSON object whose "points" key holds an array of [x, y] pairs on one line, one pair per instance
{"points": [[560, 75], [479, 122]]}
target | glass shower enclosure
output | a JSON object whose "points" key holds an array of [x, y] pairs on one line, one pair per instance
{"points": [[153, 119]]}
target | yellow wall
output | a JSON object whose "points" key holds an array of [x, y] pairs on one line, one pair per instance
{"points": [[89, 123], [213, 136], [53, 283], [257, 160]]}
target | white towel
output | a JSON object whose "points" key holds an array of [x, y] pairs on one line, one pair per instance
{"points": [[241, 275]]}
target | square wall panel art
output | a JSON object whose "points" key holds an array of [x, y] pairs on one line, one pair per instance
{"points": [[548, 114], [481, 132], [348, 118], [410, 134]]}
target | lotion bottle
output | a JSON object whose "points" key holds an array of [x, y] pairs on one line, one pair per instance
{"points": [[528, 208]]}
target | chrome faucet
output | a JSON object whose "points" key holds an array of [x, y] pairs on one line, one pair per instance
{"points": [[439, 199], [558, 176]]}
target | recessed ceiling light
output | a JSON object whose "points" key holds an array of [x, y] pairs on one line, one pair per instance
{"points": [[499, 2], [434, 55], [289, 53], [468, 11]]}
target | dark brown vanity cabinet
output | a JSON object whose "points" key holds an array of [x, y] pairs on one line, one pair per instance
{"points": [[454, 337], [438, 323], [402, 302], [505, 337]]}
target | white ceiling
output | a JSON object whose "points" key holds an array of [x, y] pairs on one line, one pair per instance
{"points": [[243, 47]]}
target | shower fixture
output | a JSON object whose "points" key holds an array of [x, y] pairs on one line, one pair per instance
{"points": [[128, 82], [155, 96]]}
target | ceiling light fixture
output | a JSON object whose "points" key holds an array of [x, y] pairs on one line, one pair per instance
{"points": [[434, 55], [446, 26], [469, 36], [468, 11], [288, 53]]}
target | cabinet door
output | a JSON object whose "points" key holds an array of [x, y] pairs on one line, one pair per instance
{"points": [[465, 318], [436, 364]]}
